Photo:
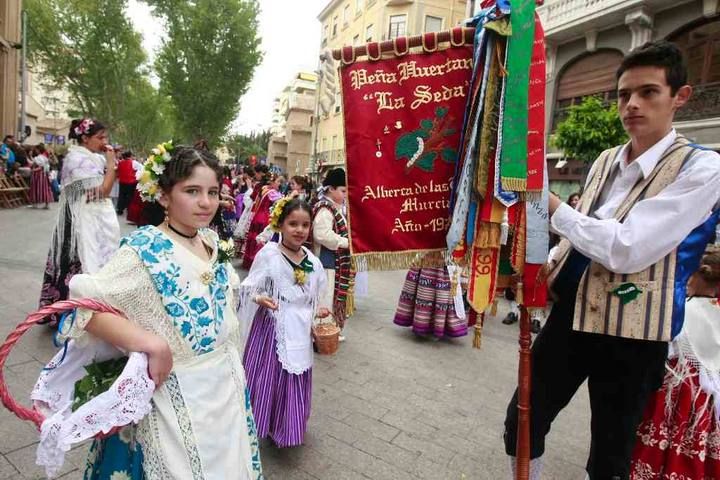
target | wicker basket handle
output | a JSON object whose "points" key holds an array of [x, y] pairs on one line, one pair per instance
{"points": [[19, 410]]}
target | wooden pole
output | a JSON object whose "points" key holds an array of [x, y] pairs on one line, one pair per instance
{"points": [[524, 369]]}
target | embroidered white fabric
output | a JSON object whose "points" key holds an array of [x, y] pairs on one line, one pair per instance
{"points": [[135, 296], [272, 275], [127, 401]]}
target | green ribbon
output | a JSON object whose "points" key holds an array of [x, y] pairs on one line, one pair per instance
{"points": [[513, 162], [627, 292]]}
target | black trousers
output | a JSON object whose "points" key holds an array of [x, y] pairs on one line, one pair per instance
{"points": [[125, 195], [621, 374]]}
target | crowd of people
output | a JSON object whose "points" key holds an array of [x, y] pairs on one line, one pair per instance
{"points": [[218, 347]]}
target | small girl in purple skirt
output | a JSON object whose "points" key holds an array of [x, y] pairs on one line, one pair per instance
{"points": [[281, 296]]}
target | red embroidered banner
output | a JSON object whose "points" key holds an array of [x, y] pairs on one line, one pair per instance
{"points": [[403, 119]]}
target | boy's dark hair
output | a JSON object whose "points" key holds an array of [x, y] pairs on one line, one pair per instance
{"points": [[249, 171], [661, 54], [291, 206], [126, 154], [8, 136]]}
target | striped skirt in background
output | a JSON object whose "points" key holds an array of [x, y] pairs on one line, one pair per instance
{"points": [[427, 306], [280, 400], [40, 188]]}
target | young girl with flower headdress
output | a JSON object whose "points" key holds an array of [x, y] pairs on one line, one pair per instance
{"points": [[176, 287], [281, 294]]}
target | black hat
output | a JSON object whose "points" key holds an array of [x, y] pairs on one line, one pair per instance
{"points": [[335, 178]]}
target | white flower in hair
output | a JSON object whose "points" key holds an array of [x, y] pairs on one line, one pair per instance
{"points": [[158, 168]]}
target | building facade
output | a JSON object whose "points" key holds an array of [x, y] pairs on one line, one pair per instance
{"points": [[46, 112], [9, 65], [290, 145], [356, 22], [586, 41]]}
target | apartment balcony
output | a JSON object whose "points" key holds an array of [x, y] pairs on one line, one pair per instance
{"points": [[330, 158], [568, 19]]}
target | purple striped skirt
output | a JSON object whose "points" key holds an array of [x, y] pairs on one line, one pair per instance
{"points": [[280, 400], [427, 305]]}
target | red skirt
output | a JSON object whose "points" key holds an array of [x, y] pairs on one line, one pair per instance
{"points": [[684, 445], [135, 210], [40, 189]]}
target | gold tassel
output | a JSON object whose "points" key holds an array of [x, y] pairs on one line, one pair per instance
{"points": [[488, 236], [514, 184], [400, 260], [493, 308], [477, 337]]}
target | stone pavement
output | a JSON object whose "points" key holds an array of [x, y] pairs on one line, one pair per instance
{"points": [[389, 405]]}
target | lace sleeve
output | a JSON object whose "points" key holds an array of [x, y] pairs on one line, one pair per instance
{"points": [[126, 285]]}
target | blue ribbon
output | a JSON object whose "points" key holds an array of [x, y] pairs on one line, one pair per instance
{"points": [[56, 342]]}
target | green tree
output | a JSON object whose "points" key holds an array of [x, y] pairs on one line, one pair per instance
{"points": [[243, 146], [90, 49], [207, 61], [590, 128]]}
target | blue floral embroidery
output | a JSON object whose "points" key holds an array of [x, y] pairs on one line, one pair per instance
{"points": [[198, 319], [252, 433], [199, 305]]}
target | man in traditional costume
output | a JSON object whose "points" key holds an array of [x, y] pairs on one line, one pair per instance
{"points": [[331, 244], [620, 273]]}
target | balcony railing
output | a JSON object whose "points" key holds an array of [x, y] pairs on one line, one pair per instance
{"points": [[565, 19], [330, 157]]}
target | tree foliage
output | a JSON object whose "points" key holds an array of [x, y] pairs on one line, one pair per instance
{"points": [[243, 146], [207, 61], [589, 129], [90, 48]]}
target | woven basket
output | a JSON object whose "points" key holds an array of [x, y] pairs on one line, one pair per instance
{"points": [[19, 410], [327, 338]]}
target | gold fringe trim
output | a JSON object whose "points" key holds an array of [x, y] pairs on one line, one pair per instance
{"points": [[514, 184], [488, 236], [477, 337], [399, 260]]}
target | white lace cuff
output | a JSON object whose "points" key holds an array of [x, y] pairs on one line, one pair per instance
{"points": [[127, 401]]}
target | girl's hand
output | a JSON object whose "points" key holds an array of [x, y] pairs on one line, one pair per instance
{"points": [[323, 312], [267, 302], [160, 361]]}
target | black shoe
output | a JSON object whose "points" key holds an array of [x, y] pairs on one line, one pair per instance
{"points": [[510, 319], [535, 326]]}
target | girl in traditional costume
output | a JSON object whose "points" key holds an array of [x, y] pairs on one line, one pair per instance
{"points": [[40, 188], [679, 437], [176, 287], [331, 244], [281, 294], [260, 218], [87, 232]]}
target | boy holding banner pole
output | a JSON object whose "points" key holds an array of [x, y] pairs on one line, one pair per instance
{"points": [[648, 210]]}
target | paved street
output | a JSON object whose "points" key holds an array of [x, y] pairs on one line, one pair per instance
{"points": [[387, 406]]}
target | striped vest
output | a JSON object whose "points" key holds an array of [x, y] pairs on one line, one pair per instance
{"points": [[597, 308]]}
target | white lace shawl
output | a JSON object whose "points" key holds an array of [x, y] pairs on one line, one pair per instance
{"points": [[83, 171], [125, 284], [126, 401], [272, 275], [697, 350]]}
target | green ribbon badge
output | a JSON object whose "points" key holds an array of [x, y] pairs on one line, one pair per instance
{"points": [[627, 292]]}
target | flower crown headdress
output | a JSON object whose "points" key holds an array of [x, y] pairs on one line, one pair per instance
{"points": [[275, 213], [84, 127], [148, 176]]}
